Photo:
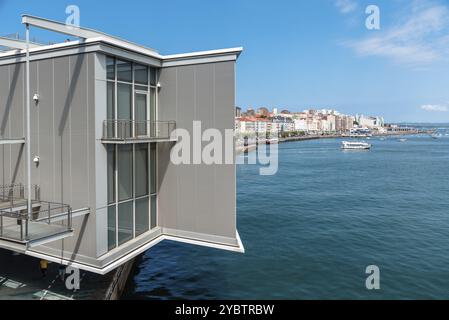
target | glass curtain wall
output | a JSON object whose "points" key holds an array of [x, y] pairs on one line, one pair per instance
{"points": [[131, 168]]}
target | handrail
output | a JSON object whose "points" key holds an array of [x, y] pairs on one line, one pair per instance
{"points": [[41, 212], [135, 129], [14, 193]]}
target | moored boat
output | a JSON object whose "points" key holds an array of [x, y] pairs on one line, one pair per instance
{"points": [[345, 145], [272, 141]]}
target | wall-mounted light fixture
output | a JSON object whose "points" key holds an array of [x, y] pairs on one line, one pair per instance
{"points": [[36, 160], [36, 98]]}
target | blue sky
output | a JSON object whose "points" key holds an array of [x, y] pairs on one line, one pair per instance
{"points": [[298, 54]]}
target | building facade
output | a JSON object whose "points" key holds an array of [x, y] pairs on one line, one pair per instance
{"points": [[103, 114]]}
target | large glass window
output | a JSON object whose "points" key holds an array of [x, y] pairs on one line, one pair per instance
{"points": [[125, 172], [153, 104], [111, 173], [112, 230], [124, 71], [125, 222], [153, 185], [131, 169], [140, 115], [124, 80], [153, 127], [153, 211], [140, 74], [124, 101], [111, 100], [153, 172], [153, 76], [142, 216], [110, 68], [141, 161], [111, 106], [134, 211]]}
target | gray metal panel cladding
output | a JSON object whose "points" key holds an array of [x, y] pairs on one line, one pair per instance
{"points": [[197, 198], [62, 134]]}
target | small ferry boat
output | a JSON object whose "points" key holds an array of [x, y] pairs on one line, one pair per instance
{"points": [[272, 141], [345, 145]]}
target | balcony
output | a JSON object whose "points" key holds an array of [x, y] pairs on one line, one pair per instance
{"points": [[47, 221], [132, 131]]}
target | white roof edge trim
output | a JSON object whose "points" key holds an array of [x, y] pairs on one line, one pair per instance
{"points": [[236, 50], [102, 271], [16, 44], [43, 48], [63, 45], [126, 46]]}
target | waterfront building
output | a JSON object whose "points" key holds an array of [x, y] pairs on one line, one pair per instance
{"points": [[331, 120], [86, 130], [263, 112], [370, 122], [311, 121], [324, 125], [283, 123], [245, 125], [313, 125], [301, 125], [250, 112], [262, 125]]}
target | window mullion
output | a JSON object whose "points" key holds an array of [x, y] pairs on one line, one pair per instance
{"points": [[134, 190], [116, 195]]}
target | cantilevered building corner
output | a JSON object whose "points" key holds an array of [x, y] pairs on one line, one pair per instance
{"points": [[86, 131]]}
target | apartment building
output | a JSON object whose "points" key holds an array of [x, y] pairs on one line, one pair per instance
{"points": [[86, 131], [370, 122]]}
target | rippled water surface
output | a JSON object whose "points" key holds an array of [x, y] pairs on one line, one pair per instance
{"points": [[311, 230]]}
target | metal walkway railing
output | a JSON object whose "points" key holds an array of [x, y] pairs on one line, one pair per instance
{"points": [[45, 219], [128, 130], [16, 192]]}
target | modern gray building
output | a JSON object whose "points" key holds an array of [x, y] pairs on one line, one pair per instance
{"points": [[86, 131]]}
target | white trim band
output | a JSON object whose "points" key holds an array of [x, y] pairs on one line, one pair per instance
{"points": [[135, 253]]}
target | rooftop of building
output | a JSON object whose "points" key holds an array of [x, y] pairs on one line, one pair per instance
{"points": [[89, 36]]}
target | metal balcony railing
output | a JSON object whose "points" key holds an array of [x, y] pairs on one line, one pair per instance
{"points": [[129, 130], [45, 220], [15, 193]]}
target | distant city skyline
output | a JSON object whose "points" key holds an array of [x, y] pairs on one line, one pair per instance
{"points": [[264, 111], [296, 53]]}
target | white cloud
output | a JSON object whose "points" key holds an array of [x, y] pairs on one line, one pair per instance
{"points": [[346, 6], [435, 108], [420, 39]]}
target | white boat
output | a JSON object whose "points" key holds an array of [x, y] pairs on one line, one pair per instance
{"points": [[272, 141], [402, 140], [345, 145]]}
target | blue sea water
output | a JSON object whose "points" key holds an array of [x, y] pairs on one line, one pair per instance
{"points": [[311, 230]]}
